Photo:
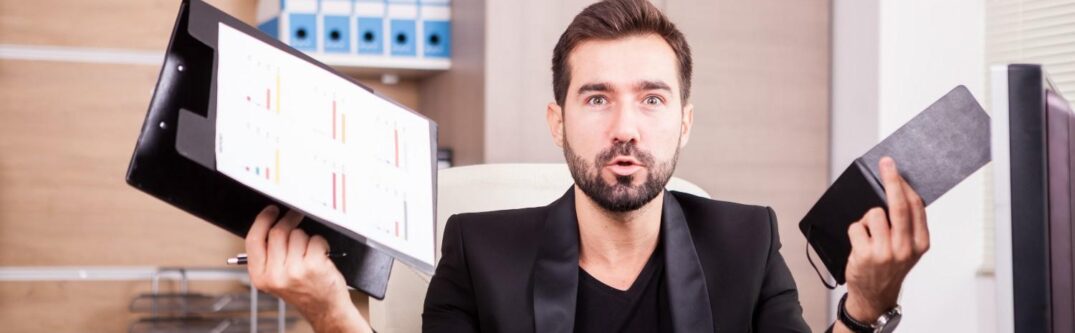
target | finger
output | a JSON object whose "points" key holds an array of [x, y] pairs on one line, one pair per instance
{"points": [[920, 229], [278, 237], [256, 237], [894, 192], [860, 240], [903, 227], [877, 225], [296, 246], [317, 249], [898, 208]]}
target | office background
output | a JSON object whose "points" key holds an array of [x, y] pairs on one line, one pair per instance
{"points": [[786, 94]]}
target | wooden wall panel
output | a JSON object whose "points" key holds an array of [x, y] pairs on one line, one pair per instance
{"points": [[405, 91], [124, 24], [80, 306], [99, 306], [67, 131], [66, 135]]}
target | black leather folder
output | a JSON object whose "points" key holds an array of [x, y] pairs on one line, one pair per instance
{"points": [[174, 158], [934, 151]]}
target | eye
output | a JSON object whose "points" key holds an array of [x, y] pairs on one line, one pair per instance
{"points": [[597, 100], [653, 101]]}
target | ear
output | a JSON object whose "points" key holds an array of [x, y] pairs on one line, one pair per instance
{"points": [[555, 117], [685, 125]]}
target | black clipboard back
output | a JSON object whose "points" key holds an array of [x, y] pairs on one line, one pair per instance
{"points": [[174, 157]]}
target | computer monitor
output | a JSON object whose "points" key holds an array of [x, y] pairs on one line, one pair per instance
{"points": [[1033, 142]]}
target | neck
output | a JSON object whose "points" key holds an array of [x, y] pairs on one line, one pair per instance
{"points": [[615, 241]]}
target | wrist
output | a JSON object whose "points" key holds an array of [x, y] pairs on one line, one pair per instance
{"points": [[340, 316], [863, 315], [864, 310]]}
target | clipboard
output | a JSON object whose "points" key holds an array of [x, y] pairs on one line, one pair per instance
{"points": [[174, 158]]}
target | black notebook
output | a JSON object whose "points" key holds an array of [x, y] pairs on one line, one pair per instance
{"points": [[935, 151]]}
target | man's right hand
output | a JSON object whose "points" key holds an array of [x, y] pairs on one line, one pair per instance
{"points": [[284, 261]]}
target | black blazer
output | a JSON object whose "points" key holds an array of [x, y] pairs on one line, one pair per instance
{"points": [[517, 270]]}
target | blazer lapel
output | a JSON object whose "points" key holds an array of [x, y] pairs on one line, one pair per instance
{"points": [[556, 271], [688, 295]]}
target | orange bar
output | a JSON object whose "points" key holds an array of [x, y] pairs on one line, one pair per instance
{"points": [[277, 91]]}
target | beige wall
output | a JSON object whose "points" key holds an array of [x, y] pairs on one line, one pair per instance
{"points": [[761, 96], [455, 99], [520, 40]]}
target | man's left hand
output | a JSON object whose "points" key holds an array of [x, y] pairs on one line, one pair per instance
{"points": [[885, 248]]}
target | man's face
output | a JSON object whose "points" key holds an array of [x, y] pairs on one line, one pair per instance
{"points": [[623, 120]]}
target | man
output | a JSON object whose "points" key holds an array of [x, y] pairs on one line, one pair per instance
{"points": [[616, 253]]}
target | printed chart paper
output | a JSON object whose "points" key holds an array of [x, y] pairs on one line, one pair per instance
{"points": [[324, 145]]}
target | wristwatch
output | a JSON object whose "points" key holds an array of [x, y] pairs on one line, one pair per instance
{"points": [[886, 323]]}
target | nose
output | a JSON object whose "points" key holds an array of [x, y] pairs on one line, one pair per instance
{"points": [[624, 126]]}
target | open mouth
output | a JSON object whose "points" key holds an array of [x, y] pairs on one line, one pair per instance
{"points": [[624, 166], [624, 160]]}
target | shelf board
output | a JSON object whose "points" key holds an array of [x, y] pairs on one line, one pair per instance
{"points": [[379, 65]]}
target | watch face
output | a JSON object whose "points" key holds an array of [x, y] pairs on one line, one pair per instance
{"points": [[890, 325]]}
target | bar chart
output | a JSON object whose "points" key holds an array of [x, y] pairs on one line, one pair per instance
{"points": [[324, 145]]}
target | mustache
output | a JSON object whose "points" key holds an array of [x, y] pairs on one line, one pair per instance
{"points": [[623, 149]]}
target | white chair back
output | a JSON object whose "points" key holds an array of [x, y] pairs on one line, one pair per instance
{"points": [[476, 188]]}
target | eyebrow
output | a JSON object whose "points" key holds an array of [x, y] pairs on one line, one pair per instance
{"points": [[653, 85], [643, 85], [598, 87]]}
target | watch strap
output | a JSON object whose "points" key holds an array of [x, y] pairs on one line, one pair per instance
{"points": [[851, 323]]}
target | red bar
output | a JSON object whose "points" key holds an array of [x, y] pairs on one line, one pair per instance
{"points": [[334, 120], [266, 173], [268, 98], [397, 228], [333, 190], [395, 134]]}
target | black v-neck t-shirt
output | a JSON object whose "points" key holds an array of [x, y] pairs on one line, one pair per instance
{"points": [[641, 308]]}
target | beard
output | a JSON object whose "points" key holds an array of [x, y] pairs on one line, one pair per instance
{"points": [[621, 196]]}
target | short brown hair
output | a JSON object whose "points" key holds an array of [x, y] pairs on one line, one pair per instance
{"points": [[612, 19]]}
